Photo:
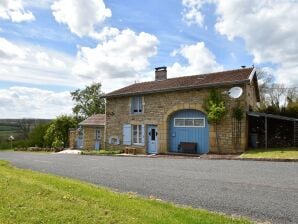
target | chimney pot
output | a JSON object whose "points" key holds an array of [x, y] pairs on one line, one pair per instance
{"points": [[160, 73]]}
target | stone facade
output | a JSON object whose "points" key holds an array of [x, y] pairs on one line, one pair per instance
{"points": [[89, 137], [72, 138], [158, 108]]}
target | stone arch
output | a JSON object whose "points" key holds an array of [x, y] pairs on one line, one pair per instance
{"points": [[164, 130], [183, 106]]}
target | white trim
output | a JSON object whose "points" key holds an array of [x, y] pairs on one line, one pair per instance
{"points": [[252, 74], [202, 118]]}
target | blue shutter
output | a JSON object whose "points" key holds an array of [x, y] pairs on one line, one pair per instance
{"points": [[127, 134], [143, 135]]}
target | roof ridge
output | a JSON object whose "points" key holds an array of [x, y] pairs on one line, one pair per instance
{"points": [[212, 77], [210, 73]]}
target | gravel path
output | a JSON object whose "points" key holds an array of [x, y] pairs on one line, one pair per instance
{"points": [[263, 191]]}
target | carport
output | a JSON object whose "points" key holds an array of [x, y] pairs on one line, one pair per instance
{"points": [[271, 131]]}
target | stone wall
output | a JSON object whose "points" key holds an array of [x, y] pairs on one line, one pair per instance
{"points": [[89, 137], [158, 108], [72, 138]]}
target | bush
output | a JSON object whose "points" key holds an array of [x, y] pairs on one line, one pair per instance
{"points": [[38, 149], [15, 144]]}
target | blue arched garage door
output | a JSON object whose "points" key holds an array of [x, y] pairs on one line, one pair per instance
{"points": [[189, 126]]}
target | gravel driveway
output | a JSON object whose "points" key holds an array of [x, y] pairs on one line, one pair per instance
{"points": [[263, 191]]}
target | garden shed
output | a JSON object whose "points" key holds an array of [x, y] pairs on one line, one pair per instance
{"points": [[271, 131]]}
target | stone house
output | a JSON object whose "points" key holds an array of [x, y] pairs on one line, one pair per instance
{"points": [[167, 115], [90, 133]]}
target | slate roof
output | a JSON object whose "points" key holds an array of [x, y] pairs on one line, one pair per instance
{"points": [[237, 76], [94, 120]]}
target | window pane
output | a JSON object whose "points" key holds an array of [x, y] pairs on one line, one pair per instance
{"points": [[188, 122], [137, 106], [199, 122], [179, 122], [140, 105], [135, 133], [152, 134], [140, 133]]}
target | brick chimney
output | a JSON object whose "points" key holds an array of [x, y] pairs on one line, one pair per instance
{"points": [[160, 73]]}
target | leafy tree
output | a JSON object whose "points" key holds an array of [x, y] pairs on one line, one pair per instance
{"points": [[216, 110], [25, 126], [36, 136], [57, 133], [88, 101]]}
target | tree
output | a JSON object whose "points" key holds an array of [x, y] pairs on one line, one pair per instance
{"points": [[216, 110], [276, 98], [36, 136], [25, 126], [88, 101], [57, 132]]}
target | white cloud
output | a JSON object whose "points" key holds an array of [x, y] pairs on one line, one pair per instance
{"points": [[20, 102], [80, 16], [14, 10], [268, 29], [35, 65], [123, 54], [199, 60], [192, 11]]}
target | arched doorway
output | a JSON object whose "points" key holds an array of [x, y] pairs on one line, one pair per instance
{"points": [[188, 128]]}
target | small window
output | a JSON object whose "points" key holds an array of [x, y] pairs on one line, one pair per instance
{"points": [[199, 122], [136, 105], [97, 134], [189, 122], [137, 134], [179, 122]]}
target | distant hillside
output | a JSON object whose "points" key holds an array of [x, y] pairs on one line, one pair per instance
{"points": [[18, 128]]}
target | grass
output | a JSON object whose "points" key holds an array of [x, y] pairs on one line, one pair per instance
{"points": [[278, 153], [101, 152], [31, 197]]}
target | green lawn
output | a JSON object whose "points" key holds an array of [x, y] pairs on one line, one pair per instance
{"points": [[286, 153], [31, 197]]}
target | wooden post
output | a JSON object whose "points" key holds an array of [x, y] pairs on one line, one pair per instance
{"points": [[266, 132]]}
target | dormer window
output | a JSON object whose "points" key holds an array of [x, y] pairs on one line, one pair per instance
{"points": [[136, 105]]}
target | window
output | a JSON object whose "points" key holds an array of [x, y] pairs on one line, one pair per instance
{"points": [[189, 122], [97, 134], [136, 105], [133, 134], [137, 134]]}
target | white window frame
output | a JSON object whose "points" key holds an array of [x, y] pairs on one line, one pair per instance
{"points": [[187, 118], [139, 134]]}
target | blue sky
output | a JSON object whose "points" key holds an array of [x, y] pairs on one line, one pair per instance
{"points": [[51, 47]]}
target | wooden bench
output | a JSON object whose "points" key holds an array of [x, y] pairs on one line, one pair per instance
{"points": [[130, 150]]}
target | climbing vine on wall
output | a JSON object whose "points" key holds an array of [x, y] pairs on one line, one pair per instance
{"points": [[238, 115], [216, 109]]}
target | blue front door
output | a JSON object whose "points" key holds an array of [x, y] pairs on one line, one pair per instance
{"points": [[189, 126], [152, 139], [97, 139]]}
